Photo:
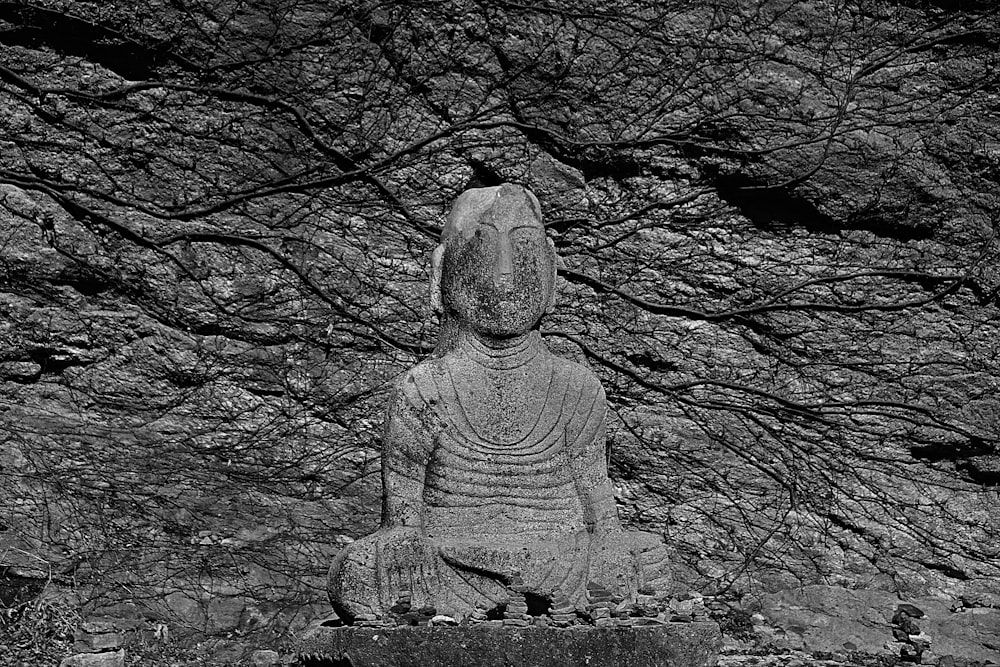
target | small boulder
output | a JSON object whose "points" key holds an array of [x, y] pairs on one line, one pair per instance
{"points": [[910, 610], [441, 619]]}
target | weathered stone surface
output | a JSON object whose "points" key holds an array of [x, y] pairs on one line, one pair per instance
{"points": [[972, 633], [265, 658], [494, 469], [673, 645], [105, 659], [829, 618]]}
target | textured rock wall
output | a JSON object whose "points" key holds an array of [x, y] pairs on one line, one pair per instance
{"points": [[777, 223]]}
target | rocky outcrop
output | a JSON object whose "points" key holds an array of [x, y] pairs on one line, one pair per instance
{"points": [[779, 256], [831, 619]]}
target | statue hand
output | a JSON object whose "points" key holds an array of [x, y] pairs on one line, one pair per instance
{"points": [[629, 562], [408, 564]]}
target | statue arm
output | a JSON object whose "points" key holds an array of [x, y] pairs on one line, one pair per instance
{"points": [[405, 453], [593, 484]]}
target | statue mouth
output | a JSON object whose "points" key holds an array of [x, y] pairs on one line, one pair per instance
{"points": [[510, 309]]}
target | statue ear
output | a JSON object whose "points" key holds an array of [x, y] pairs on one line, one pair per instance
{"points": [[437, 266], [556, 264]]}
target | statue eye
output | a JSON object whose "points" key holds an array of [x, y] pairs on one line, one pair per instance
{"points": [[484, 234], [523, 235]]}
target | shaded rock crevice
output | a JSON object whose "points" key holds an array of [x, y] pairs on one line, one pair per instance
{"points": [[36, 27]]}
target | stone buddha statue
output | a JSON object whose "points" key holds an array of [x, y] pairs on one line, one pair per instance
{"points": [[494, 466]]}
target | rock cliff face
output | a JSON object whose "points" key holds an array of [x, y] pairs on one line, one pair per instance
{"points": [[778, 229]]}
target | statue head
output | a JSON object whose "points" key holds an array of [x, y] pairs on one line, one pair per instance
{"points": [[494, 271]]}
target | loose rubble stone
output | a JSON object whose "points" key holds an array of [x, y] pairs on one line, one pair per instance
{"points": [[85, 641], [910, 610]]}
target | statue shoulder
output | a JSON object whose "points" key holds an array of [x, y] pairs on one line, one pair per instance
{"points": [[580, 376], [418, 385], [412, 417]]}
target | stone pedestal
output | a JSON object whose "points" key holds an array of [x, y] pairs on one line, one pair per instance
{"points": [[670, 645]]}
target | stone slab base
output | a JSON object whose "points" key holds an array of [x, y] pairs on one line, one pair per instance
{"points": [[672, 645]]}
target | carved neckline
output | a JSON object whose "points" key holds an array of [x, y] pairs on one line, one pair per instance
{"points": [[515, 353], [466, 414]]}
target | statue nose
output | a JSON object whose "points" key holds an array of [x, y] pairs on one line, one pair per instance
{"points": [[504, 267]]}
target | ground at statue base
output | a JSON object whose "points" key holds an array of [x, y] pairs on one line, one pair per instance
{"points": [[670, 645]]}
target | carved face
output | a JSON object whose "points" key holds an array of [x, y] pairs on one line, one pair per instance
{"points": [[498, 268]]}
